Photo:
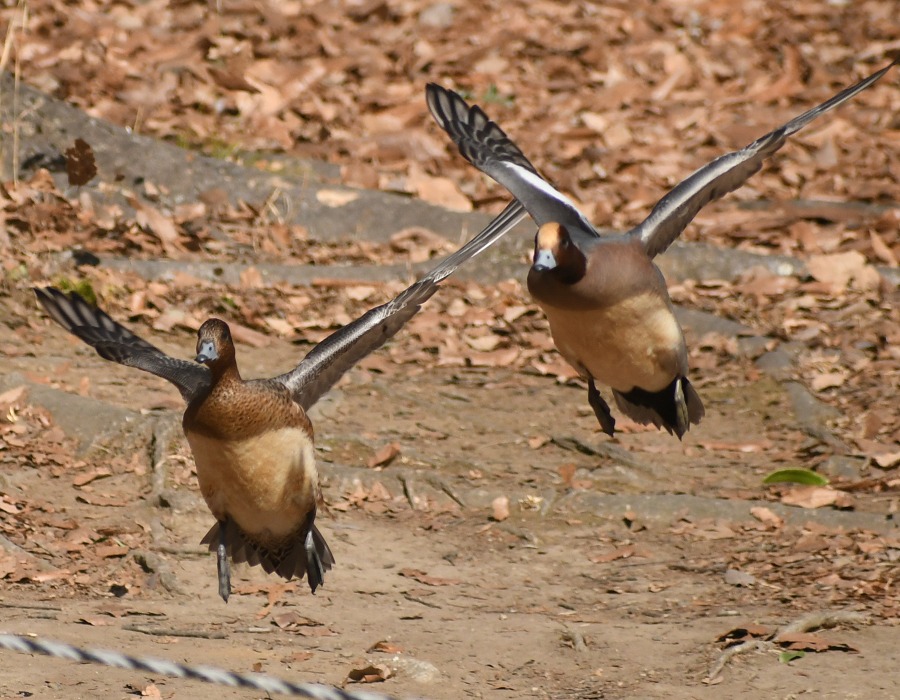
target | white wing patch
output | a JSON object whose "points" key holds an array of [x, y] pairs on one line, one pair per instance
{"points": [[544, 202]]}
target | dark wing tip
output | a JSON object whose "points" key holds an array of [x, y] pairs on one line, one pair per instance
{"points": [[479, 139], [435, 98], [450, 109], [92, 325], [671, 215], [68, 310]]}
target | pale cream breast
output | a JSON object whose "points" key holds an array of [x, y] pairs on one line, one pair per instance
{"points": [[634, 343], [267, 483]]}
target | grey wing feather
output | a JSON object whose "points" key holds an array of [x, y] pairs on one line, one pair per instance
{"points": [[677, 209], [485, 145], [504, 222], [330, 359], [114, 342]]}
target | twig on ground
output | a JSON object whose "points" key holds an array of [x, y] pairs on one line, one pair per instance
{"points": [[420, 601], [601, 449], [408, 490], [823, 620], [572, 635], [155, 564], [31, 606], [439, 483], [807, 623], [170, 632], [731, 652], [185, 551]]}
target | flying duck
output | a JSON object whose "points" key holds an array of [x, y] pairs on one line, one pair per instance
{"points": [[606, 301], [252, 440]]}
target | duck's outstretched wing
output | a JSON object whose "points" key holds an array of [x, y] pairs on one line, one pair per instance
{"points": [[114, 342], [678, 208], [330, 359], [485, 145]]}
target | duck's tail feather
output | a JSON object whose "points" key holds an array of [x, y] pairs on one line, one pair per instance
{"points": [[305, 553], [674, 409]]}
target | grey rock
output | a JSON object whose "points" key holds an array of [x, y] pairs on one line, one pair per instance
{"points": [[664, 509], [416, 670], [87, 420], [49, 126], [843, 467], [438, 16]]}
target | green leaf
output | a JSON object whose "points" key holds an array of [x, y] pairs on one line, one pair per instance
{"points": [[82, 288], [786, 657], [493, 96], [796, 476]]}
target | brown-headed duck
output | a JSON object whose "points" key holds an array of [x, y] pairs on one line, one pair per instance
{"points": [[606, 301], [252, 440]]}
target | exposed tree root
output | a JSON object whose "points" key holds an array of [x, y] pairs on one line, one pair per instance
{"points": [[807, 623]]}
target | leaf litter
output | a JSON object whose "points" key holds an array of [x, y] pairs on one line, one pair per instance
{"points": [[245, 83]]}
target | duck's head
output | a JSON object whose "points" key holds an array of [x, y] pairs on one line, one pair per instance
{"points": [[214, 344], [556, 252]]}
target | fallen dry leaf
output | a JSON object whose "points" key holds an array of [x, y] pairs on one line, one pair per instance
{"points": [[806, 641], [881, 249], [243, 334], [817, 497], [739, 635], [758, 446], [80, 164], [441, 191], [8, 506], [538, 441], [291, 619], [828, 380], [422, 577], [336, 198], [111, 551], [96, 620], [161, 225], [103, 500], [419, 244], [374, 673], [886, 460], [567, 473], [623, 552], [384, 455], [767, 516], [12, 396], [251, 278], [841, 270], [151, 691], [92, 475]]}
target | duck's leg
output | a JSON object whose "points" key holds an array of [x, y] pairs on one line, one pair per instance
{"points": [[682, 421], [315, 573], [222, 563], [601, 409]]}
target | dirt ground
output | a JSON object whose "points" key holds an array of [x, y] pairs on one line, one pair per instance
{"points": [[490, 541], [608, 579]]}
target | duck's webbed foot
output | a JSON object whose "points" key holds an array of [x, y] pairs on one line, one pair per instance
{"points": [[601, 408], [222, 565]]}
